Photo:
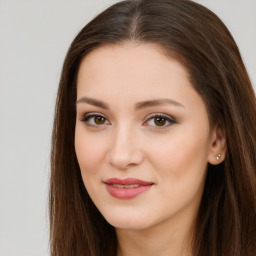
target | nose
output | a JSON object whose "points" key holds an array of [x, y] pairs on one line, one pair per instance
{"points": [[125, 149]]}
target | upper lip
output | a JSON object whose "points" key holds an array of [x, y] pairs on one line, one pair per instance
{"points": [[127, 181]]}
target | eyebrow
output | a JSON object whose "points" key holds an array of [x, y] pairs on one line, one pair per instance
{"points": [[138, 106], [157, 102], [93, 102]]}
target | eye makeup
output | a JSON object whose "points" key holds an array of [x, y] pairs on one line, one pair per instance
{"points": [[155, 120]]}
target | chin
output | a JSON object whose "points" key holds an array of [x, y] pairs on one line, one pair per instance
{"points": [[128, 224], [127, 220]]}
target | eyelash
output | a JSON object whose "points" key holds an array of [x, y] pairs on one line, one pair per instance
{"points": [[166, 118], [170, 120], [89, 116]]}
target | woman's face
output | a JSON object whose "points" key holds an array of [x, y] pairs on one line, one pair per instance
{"points": [[142, 136]]}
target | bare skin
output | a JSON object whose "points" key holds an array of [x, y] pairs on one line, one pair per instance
{"points": [[138, 116]]}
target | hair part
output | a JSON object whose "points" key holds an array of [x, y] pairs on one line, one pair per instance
{"points": [[197, 38]]}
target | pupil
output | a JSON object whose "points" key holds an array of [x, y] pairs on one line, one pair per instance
{"points": [[99, 120], [159, 121]]}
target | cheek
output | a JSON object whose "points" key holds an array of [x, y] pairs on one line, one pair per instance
{"points": [[88, 151], [182, 158]]}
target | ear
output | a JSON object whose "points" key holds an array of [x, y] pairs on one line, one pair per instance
{"points": [[218, 146]]}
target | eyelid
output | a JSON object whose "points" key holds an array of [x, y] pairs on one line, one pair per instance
{"points": [[168, 118], [89, 115]]}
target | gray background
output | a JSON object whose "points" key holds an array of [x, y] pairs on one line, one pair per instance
{"points": [[34, 37]]}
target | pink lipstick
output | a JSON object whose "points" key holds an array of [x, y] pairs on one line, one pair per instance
{"points": [[126, 188]]}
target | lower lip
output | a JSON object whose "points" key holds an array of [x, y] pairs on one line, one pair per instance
{"points": [[126, 193]]}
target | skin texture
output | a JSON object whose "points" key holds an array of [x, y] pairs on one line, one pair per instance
{"points": [[128, 142]]}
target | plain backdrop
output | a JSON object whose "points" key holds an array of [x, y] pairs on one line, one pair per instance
{"points": [[34, 38]]}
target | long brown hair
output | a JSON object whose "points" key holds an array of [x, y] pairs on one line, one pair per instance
{"points": [[189, 32]]}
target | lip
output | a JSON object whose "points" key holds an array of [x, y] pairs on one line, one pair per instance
{"points": [[126, 188]]}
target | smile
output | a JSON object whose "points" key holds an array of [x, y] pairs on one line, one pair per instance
{"points": [[126, 188]]}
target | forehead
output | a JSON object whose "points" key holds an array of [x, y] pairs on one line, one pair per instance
{"points": [[124, 76], [128, 67]]}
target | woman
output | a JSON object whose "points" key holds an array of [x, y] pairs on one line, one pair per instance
{"points": [[154, 139]]}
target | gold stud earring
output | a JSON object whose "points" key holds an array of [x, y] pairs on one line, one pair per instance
{"points": [[218, 157]]}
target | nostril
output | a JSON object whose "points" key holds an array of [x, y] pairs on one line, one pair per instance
{"points": [[123, 159]]}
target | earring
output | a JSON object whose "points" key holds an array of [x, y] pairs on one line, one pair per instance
{"points": [[218, 157]]}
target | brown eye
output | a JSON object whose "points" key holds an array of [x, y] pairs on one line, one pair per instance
{"points": [[95, 120], [99, 120], [159, 121]]}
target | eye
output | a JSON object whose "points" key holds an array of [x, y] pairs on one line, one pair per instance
{"points": [[94, 119], [159, 121]]}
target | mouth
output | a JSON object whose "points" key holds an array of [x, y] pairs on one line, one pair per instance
{"points": [[126, 188]]}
